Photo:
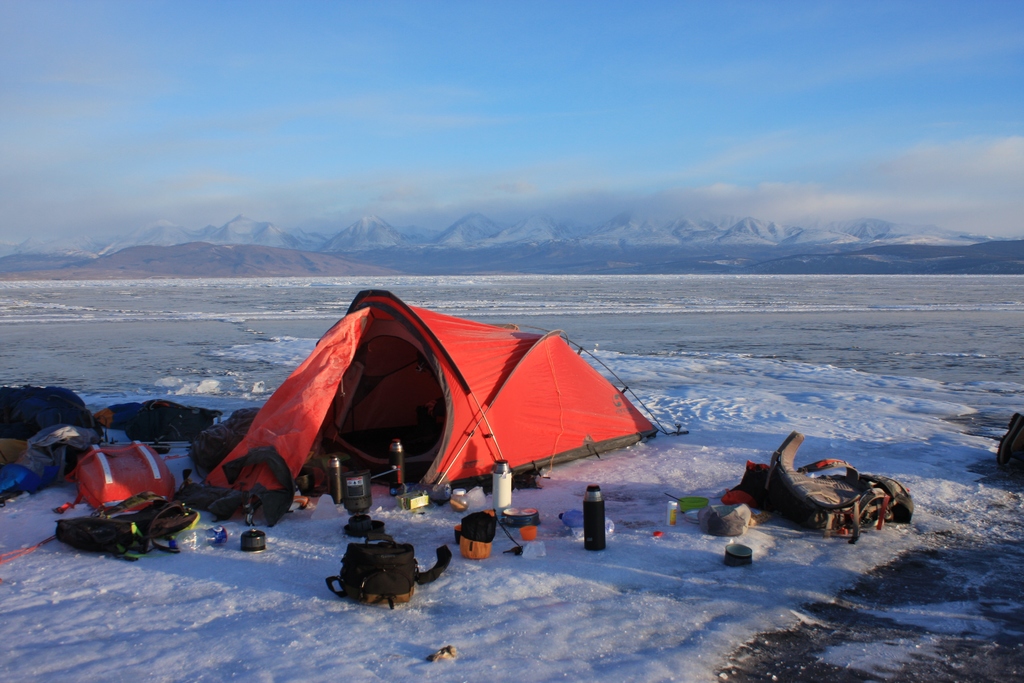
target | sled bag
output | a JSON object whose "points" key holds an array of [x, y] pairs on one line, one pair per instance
{"points": [[383, 571], [114, 473]]}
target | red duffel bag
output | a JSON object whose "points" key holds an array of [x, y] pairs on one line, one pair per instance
{"points": [[114, 473]]}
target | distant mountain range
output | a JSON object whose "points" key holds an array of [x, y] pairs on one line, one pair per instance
{"points": [[193, 259], [1005, 257], [536, 244]]}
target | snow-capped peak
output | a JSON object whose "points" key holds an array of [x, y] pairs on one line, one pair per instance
{"points": [[532, 230], [369, 232], [469, 230], [242, 230], [628, 230]]}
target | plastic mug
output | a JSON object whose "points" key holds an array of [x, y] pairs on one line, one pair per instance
{"points": [[529, 533]]}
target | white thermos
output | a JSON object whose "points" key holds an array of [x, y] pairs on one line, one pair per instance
{"points": [[501, 486]]}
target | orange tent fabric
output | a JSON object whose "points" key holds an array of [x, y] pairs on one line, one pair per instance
{"points": [[459, 394]]}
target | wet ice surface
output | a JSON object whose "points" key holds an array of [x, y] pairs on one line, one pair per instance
{"points": [[949, 611], [867, 633], [937, 600]]}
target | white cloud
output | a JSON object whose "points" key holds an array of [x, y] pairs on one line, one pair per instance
{"points": [[992, 168], [967, 185]]}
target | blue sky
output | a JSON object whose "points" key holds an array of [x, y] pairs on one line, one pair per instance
{"points": [[114, 115]]}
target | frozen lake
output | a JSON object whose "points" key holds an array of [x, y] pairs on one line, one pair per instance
{"points": [[958, 329]]}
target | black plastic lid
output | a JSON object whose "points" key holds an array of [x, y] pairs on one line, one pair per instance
{"points": [[254, 540]]}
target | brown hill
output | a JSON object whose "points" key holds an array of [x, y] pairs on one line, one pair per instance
{"points": [[195, 259]]}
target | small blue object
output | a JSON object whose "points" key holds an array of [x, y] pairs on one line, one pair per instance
{"points": [[16, 477], [572, 518], [217, 535]]}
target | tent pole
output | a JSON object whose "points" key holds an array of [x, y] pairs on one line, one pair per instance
{"points": [[482, 417]]}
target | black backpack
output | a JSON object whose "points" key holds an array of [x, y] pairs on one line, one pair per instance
{"points": [[838, 504], [161, 420], [130, 534], [1011, 445], [383, 571]]}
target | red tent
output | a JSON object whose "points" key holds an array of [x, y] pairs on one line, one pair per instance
{"points": [[459, 394]]}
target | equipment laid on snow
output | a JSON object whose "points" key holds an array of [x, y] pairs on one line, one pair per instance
{"points": [[1012, 443], [275, 496], [357, 495], [127, 534], [161, 420], [254, 541], [217, 535], [460, 395], [117, 416], [382, 571], [737, 555], [24, 411], [222, 502], [396, 458], [477, 534], [724, 520], [362, 526], [593, 518], [413, 500], [47, 456], [517, 518], [334, 486], [501, 487], [838, 504], [11, 450], [114, 473], [752, 489], [212, 445], [458, 500]]}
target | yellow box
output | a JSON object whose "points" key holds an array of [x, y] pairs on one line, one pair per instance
{"points": [[413, 500]]}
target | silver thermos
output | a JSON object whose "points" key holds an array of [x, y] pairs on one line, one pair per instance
{"points": [[501, 487], [334, 479]]}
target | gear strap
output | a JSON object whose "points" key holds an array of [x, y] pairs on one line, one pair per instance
{"points": [[444, 556]]}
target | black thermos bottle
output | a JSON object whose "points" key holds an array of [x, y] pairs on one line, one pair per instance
{"points": [[593, 518], [396, 458]]}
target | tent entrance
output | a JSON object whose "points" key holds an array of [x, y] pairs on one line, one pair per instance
{"points": [[390, 391]]}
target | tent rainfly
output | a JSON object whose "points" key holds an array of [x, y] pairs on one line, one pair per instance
{"points": [[459, 394]]}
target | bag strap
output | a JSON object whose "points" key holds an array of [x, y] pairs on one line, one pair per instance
{"points": [[136, 549], [128, 503], [852, 477], [340, 590], [827, 464], [444, 556], [172, 507], [379, 536], [786, 451], [872, 501]]}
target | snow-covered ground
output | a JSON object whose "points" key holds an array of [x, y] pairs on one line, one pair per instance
{"points": [[645, 609]]}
